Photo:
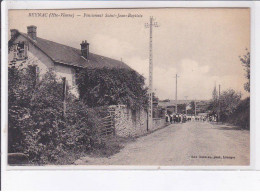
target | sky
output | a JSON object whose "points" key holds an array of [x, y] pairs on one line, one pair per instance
{"points": [[201, 45]]}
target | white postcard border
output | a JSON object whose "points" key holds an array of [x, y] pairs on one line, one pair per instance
{"points": [[9, 172]]}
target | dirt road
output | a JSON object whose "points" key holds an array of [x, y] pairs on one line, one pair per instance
{"points": [[191, 143]]}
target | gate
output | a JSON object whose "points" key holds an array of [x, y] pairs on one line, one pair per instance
{"points": [[107, 123]]}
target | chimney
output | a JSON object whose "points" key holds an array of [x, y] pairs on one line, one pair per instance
{"points": [[13, 32], [31, 31], [85, 49]]}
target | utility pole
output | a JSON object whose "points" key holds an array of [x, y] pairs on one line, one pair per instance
{"points": [[64, 95], [219, 103], [150, 106], [195, 107], [176, 101], [186, 104]]}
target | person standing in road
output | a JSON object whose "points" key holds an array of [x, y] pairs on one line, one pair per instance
{"points": [[171, 116], [166, 118], [174, 118]]}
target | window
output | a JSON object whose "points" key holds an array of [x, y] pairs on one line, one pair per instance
{"points": [[21, 51]]}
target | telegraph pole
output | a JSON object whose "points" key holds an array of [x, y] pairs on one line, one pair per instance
{"points": [[219, 103], [176, 101], [150, 106], [64, 95], [195, 107]]}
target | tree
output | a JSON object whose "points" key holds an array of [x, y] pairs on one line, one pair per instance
{"points": [[20, 92], [229, 100], [182, 108], [213, 104], [245, 60], [241, 116], [102, 87], [214, 94], [191, 110], [34, 112]]}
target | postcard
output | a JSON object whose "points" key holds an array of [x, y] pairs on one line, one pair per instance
{"points": [[129, 87]]}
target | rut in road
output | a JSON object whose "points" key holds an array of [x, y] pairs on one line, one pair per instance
{"points": [[191, 143]]}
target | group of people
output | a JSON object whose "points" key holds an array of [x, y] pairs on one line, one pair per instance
{"points": [[176, 118], [213, 118], [197, 118], [182, 118]]}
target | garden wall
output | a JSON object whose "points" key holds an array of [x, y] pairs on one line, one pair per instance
{"points": [[132, 123]]}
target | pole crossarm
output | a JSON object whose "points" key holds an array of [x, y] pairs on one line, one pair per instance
{"points": [[152, 23]]}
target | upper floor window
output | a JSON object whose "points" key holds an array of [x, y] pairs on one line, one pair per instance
{"points": [[20, 51]]}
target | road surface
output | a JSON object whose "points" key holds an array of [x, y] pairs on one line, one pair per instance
{"points": [[191, 143]]}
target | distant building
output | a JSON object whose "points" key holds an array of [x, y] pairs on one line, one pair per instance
{"points": [[171, 103], [201, 105], [64, 60]]}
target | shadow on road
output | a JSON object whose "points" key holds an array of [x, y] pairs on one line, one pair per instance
{"points": [[223, 126]]}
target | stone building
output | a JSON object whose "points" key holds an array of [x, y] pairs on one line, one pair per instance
{"points": [[63, 59]]}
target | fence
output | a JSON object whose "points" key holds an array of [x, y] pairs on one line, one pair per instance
{"points": [[107, 126], [107, 123]]}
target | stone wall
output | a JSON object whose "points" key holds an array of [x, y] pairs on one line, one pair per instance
{"points": [[130, 123], [158, 123]]}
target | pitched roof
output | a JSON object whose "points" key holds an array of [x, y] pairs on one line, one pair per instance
{"points": [[67, 55]]}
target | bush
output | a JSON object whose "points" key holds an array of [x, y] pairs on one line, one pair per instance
{"points": [[229, 101], [241, 115], [37, 126], [20, 87], [233, 109]]}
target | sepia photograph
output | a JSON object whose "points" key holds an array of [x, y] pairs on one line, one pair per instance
{"points": [[129, 87]]}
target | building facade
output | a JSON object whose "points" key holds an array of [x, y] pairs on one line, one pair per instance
{"points": [[29, 49]]}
